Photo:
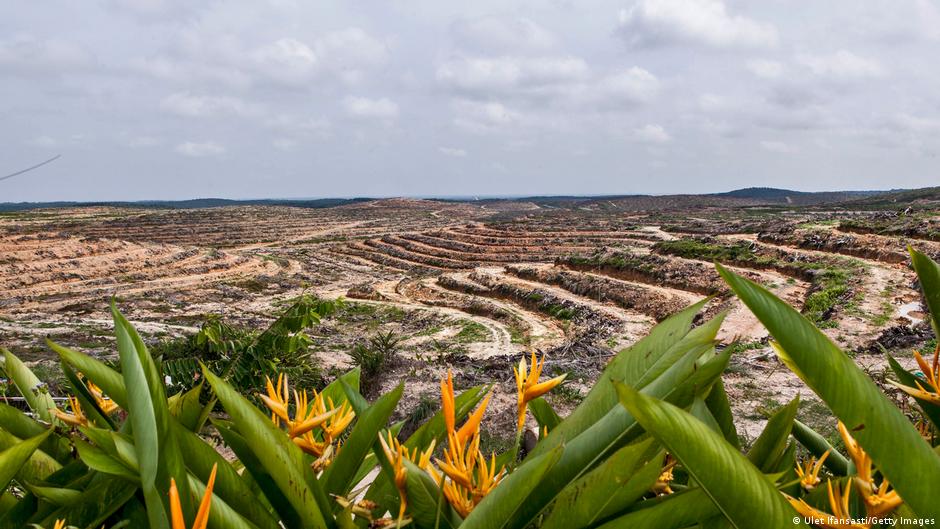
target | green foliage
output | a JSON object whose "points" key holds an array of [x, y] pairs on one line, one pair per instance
{"points": [[245, 357], [375, 354]]}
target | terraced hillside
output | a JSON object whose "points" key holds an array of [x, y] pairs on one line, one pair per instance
{"points": [[470, 285]]}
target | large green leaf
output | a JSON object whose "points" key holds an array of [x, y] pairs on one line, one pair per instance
{"points": [[818, 445], [875, 421], [681, 382], [221, 514], [12, 459], [147, 415], [200, 457], [544, 414], [928, 273], [338, 477], [20, 425], [720, 409], [749, 501], [38, 466], [109, 380], [628, 366], [682, 509], [98, 459], [500, 506], [280, 458], [608, 489], [30, 387], [95, 504], [426, 503], [772, 442]]}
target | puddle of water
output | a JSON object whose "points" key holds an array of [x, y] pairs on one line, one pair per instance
{"points": [[906, 309]]}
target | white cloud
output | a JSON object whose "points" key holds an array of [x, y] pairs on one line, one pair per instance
{"points": [[480, 117], [290, 124], [452, 151], [502, 34], [46, 142], [364, 107], [284, 144], [286, 60], [842, 64], [507, 74], [200, 150], [765, 69], [351, 48], [25, 53], [652, 134], [777, 147], [661, 22], [139, 142], [189, 105], [633, 86]]}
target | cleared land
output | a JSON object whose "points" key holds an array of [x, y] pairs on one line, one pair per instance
{"points": [[473, 285]]}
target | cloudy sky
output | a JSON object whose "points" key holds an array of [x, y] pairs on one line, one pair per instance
{"points": [[156, 99]]}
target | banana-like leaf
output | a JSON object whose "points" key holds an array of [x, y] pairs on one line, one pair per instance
{"points": [[928, 273], [334, 390], [280, 458], [38, 466], [100, 460], [817, 445], [147, 414], [750, 501], [200, 457], [700, 411], [29, 386], [628, 366], [499, 507], [256, 476], [109, 380], [95, 504], [20, 425], [15, 457], [718, 405], [426, 503], [544, 414], [55, 495], [682, 382], [186, 407], [608, 489], [682, 509], [338, 477], [772, 442], [878, 426]]}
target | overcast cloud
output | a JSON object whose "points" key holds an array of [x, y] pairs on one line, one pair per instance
{"points": [[159, 99]]}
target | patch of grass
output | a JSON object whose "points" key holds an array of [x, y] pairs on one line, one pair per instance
{"points": [[473, 332]]}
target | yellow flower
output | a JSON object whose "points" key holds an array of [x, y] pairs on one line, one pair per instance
{"points": [[809, 471], [838, 503], [878, 499], [202, 515], [528, 387], [315, 425], [59, 524], [76, 418], [932, 378], [396, 453], [665, 477], [104, 402]]}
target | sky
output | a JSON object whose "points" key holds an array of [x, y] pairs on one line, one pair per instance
{"points": [[161, 99]]}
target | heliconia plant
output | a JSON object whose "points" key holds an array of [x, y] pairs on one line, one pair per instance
{"points": [[652, 445]]}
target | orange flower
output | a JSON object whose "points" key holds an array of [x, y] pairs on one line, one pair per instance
{"points": [[528, 387], [838, 503], [931, 376], [878, 499], [202, 515], [104, 402], [76, 418], [809, 471]]}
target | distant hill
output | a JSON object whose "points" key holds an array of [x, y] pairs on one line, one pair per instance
{"points": [[772, 195], [747, 197], [196, 203]]}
